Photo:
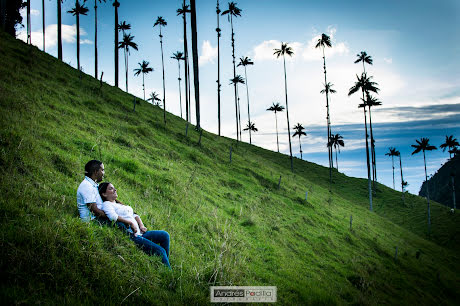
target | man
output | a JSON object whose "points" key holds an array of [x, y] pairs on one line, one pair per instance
{"points": [[88, 197]]}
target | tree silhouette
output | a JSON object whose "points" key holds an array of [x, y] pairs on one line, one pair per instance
{"points": [[336, 142], [235, 81], [218, 30], [116, 5], [162, 23], [155, 99], [451, 143], [422, 146], [77, 11], [59, 29], [196, 68], [29, 27], [392, 152], [179, 56], [299, 131], [328, 90], [43, 23], [403, 183], [283, 51], [234, 11], [143, 68], [363, 57], [323, 42], [250, 126], [372, 101], [276, 107], [183, 11], [95, 37], [125, 44], [245, 61], [366, 85]]}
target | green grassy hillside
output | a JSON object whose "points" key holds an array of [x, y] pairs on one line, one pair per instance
{"points": [[229, 223]]}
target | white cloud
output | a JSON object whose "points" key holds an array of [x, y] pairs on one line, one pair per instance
{"points": [[308, 52], [34, 12], [208, 53], [388, 60], [69, 33]]}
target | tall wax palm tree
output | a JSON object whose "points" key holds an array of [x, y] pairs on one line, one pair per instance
{"points": [[43, 23], [372, 101], [123, 27], [299, 131], [95, 37], [283, 51], [366, 85], [235, 81], [392, 152], [328, 90], [422, 146], [59, 29], [196, 78], [162, 23], [77, 11], [183, 11], [403, 183], [337, 142], [451, 143], [218, 11], [363, 57], [179, 56], [116, 5], [143, 68], [127, 43], [323, 42], [155, 99], [250, 126], [245, 62], [276, 107], [29, 29], [234, 11]]}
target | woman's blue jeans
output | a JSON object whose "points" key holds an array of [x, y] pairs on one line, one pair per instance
{"points": [[154, 243]]}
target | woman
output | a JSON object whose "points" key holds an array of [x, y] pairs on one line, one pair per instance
{"points": [[151, 242]]}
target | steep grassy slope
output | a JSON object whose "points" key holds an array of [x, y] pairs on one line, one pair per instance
{"points": [[229, 223]]}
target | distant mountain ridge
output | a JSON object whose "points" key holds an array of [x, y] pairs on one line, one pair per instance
{"points": [[440, 184]]}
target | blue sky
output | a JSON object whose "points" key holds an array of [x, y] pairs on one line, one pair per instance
{"points": [[414, 45]]}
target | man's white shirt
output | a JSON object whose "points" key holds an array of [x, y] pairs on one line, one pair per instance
{"points": [[87, 193]]}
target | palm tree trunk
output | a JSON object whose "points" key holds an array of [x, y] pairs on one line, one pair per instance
{"points": [[393, 165], [239, 112], [187, 105], [163, 69], [43, 22], [367, 159], [277, 142], [329, 148], [95, 40], [143, 84], [287, 113], [218, 68], [234, 75], [402, 179], [336, 161], [453, 190], [374, 166], [427, 194], [196, 75], [116, 4], [247, 96], [29, 38], [126, 67], [78, 41], [59, 29], [300, 144], [180, 94]]}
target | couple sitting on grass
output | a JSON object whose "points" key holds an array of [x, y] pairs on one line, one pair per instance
{"points": [[99, 202]]}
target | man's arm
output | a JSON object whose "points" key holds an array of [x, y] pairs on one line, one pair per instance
{"points": [[96, 211], [142, 228]]}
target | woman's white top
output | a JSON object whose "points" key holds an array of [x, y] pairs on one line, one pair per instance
{"points": [[113, 210]]}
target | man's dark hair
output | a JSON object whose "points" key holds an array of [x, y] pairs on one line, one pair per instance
{"points": [[92, 166]]}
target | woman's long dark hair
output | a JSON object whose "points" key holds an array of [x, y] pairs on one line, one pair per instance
{"points": [[102, 189]]}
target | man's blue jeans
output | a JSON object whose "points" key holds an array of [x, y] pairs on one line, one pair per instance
{"points": [[154, 243]]}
